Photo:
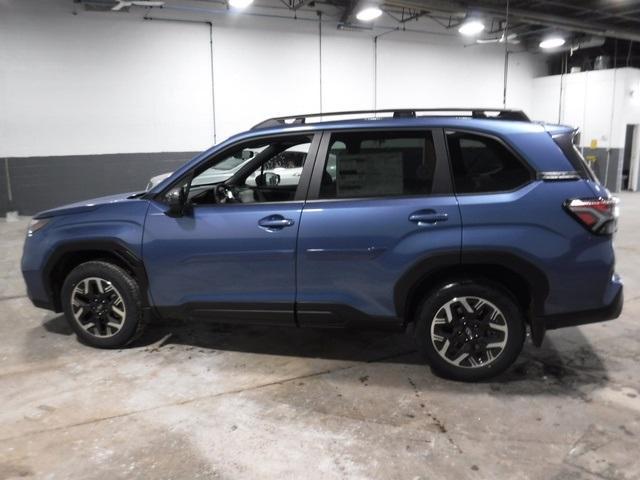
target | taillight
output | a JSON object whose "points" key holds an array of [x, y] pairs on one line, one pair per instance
{"points": [[598, 215]]}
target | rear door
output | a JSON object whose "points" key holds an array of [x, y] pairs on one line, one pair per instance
{"points": [[380, 202]]}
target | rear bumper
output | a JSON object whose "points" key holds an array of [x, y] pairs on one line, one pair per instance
{"points": [[608, 312], [539, 325]]}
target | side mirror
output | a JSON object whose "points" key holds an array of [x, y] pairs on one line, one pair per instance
{"points": [[268, 179], [244, 155], [176, 200]]}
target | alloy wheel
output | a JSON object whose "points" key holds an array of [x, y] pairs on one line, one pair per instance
{"points": [[469, 332], [98, 307]]}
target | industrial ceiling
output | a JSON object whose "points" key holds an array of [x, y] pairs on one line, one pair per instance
{"points": [[612, 26]]}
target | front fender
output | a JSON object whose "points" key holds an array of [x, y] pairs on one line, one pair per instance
{"points": [[115, 229]]}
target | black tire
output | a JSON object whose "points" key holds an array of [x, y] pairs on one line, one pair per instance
{"points": [[468, 332], [130, 324]]}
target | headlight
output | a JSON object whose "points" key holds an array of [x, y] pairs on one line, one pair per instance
{"points": [[36, 224]]}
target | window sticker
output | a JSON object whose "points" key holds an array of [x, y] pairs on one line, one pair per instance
{"points": [[371, 174]]}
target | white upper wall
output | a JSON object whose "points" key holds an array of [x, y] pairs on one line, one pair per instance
{"points": [[431, 72], [261, 73], [100, 83], [347, 71], [601, 103], [107, 82]]}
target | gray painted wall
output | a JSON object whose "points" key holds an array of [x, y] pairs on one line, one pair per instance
{"points": [[39, 183], [4, 197], [613, 172]]}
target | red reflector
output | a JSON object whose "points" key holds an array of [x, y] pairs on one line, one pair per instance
{"points": [[598, 215]]}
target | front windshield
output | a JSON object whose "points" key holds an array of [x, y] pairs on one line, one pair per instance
{"points": [[229, 163]]}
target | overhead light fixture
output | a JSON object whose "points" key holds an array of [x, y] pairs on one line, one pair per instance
{"points": [[368, 13], [552, 42], [471, 27], [512, 38], [122, 4], [240, 3]]}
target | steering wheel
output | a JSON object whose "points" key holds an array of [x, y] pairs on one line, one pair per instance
{"points": [[225, 194]]}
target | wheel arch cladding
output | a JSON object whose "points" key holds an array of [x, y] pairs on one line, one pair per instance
{"points": [[526, 282], [68, 256]]}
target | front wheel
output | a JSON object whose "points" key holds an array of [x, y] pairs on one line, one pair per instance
{"points": [[469, 330], [102, 303]]}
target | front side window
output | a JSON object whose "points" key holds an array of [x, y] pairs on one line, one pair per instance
{"points": [[378, 164], [259, 171], [227, 167], [482, 164]]}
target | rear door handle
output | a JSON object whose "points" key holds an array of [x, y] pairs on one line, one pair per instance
{"points": [[275, 222], [427, 217]]}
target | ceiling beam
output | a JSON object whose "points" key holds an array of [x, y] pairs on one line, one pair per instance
{"points": [[581, 10], [301, 3], [347, 13]]}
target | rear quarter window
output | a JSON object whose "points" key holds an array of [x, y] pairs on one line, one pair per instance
{"points": [[482, 164], [568, 147]]}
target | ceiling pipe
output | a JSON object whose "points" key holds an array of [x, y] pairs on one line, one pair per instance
{"points": [[580, 44], [457, 8]]}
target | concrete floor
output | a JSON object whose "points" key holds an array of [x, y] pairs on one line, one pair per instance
{"points": [[208, 401]]}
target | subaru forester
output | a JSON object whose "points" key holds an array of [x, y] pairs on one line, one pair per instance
{"points": [[469, 228]]}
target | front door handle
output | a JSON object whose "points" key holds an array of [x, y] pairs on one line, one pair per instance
{"points": [[427, 217], [275, 222]]}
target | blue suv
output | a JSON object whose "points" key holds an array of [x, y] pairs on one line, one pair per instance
{"points": [[469, 227]]}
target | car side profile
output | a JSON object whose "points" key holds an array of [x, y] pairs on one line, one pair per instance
{"points": [[466, 227]]}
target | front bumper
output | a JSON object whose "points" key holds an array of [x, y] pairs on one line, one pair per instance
{"points": [[36, 290], [612, 310]]}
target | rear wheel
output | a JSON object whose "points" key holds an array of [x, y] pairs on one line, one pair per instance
{"points": [[103, 304], [470, 330]]}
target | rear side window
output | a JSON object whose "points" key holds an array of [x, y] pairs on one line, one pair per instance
{"points": [[378, 164], [580, 165], [482, 164]]}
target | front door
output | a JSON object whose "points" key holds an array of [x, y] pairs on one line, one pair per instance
{"points": [[231, 255]]}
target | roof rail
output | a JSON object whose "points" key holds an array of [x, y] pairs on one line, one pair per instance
{"points": [[498, 114]]}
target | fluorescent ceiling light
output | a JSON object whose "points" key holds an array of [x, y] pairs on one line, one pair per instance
{"points": [[240, 3], [471, 27], [552, 42], [368, 13]]}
